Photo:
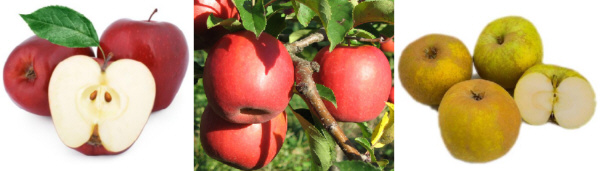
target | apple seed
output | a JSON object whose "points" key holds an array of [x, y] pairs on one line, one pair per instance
{"points": [[93, 95], [107, 97]]}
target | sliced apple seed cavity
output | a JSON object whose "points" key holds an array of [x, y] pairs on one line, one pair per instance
{"points": [[102, 108]]}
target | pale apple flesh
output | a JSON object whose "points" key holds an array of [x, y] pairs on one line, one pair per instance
{"points": [[107, 109], [570, 101]]}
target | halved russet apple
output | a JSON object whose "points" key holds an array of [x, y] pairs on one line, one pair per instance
{"points": [[552, 92], [98, 108]]}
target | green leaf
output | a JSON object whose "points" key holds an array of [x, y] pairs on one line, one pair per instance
{"points": [[327, 94], [62, 26], [356, 165], [374, 11], [276, 24], [366, 131], [337, 23], [297, 35], [363, 34], [253, 16], [367, 145], [322, 146], [230, 24], [384, 131], [382, 163], [303, 13]]}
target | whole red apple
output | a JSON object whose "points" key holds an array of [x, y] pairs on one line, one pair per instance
{"points": [[360, 78], [391, 98], [161, 46], [248, 80], [28, 69], [388, 46], [224, 9], [243, 146]]}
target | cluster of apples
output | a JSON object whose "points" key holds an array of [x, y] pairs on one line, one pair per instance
{"points": [[100, 106], [249, 81], [478, 119]]}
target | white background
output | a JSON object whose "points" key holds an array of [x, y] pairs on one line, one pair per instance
{"points": [[570, 33], [29, 141]]}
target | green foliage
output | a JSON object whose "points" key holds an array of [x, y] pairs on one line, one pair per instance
{"points": [[252, 15], [327, 94]]}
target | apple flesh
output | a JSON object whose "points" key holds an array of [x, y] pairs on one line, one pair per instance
{"points": [[160, 46], [549, 91], [243, 146], [360, 78], [204, 37], [248, 80], [98, 111], [28, 69]]}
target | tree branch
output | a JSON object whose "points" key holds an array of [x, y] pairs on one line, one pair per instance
{"points": [[307, 88]]}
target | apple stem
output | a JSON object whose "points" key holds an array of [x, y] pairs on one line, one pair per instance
{"points": [[110, 55], [101, 50], [155, 10]]}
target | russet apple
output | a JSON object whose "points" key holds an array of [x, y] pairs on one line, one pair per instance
{"points": [[243, 146], [248, 80], [161, 46], [28, 69], [204, 37], [430, 65], [100, 108], [360, 78]]}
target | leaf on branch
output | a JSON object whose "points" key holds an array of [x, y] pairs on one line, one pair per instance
{"points": [[62, 26], [298, 34], [355, 165], [327, 94], [366, 131], [383, 163], [276, 24], [384, 131], [322, 145], [303, 13], [253, 16], [230, 24], [337, 23], [276, 7], [367, 145], [374, 11], [360, 33]]}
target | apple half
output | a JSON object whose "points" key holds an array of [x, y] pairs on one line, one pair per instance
{"points": [[100, 109], [549, 92]]}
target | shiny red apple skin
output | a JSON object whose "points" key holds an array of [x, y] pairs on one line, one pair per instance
{"points": [[204, 38], [248, 80], [388, 46], [391, 98], [161, 46], [360, 78], [31, 93], [243, 146]]}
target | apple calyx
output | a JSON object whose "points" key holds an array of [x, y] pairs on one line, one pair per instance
{"points": [[431, 52], [500, 40], [477, 96], [30, 73], [154, 12]]}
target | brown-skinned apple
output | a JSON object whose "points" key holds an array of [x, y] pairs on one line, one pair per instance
{"points": [[28, 69], [248, 80], [161, 46], [204, 38], [360, 78], [243, 146]]}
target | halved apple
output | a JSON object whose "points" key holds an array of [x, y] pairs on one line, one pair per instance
{"points": [[552, 92], [100, 110]]}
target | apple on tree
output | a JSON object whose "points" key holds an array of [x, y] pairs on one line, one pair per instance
{"points": [[360, 78], [98, 107], [550, 91], [243, 146], [28, 69], [248, 79], [204, 37], [388, 45], [160, 46]]}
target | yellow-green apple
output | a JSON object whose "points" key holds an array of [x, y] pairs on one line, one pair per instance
{"points": [[550, 91], [430, 65], [243, 146], [28, 69], [248, 79], [505, 49], [204, 37], [360, 78], [479, 121], [161, 46], [100, 108]]}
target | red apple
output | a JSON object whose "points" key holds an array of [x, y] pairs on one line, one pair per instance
{"points": [[360, 78], [391, 98], [388, 46], [248, 80], [204, 37], [243, 146], [28, 69], [161, 46]]}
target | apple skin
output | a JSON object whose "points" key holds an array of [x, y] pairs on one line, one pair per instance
{"points": [[243, 146], [430, 65], [388, 46], [31, 94], [248, 80], [506, 48], [161, 46], [204, 37], [391, 98], [360, 78]]}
